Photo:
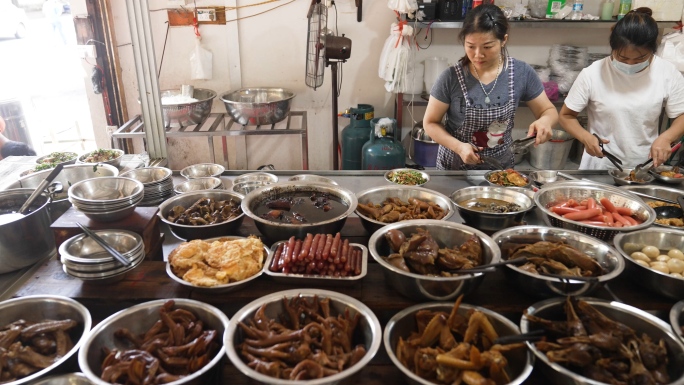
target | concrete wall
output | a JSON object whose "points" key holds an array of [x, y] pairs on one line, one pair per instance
{"points": [[272, 53]]}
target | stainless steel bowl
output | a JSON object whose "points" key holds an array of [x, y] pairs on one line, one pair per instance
{"points": [[186, 200], [542, 177], [138, 319], [116, 162], [149, 175], [245, 188], [663, 239], [311, 178], [655, 172], [520, 362], [562, 191], [619, 177], [370, 331], [546, 286], [670, 193], [81, 249], [377, 195], [424, 287], [423, 174], [491, 221], [105, 192], [232, 286], [263, 178], [69, 175], [48, 307], [527, 191], [256, 106], [677, 319], [71, 155], [202, 170], [65, 379], [637, 319], [277, 231], [187, 114], [489, 173], [197, 184]]}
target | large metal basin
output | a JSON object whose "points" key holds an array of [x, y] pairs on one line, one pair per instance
{"points": [[27, 240], [256, 106], [187, 114]]}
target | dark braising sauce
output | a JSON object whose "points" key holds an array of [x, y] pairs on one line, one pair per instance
{"points": [[301, 207]]}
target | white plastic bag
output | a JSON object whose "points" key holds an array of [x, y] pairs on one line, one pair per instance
{"points": [[200, 62], [672, 49]]}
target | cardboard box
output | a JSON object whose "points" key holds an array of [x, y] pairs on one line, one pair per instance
{"points": [[554, 7]]}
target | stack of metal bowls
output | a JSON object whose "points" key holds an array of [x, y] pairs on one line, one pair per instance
{"points": [[246, 183], [157, 182], [83, 258], [198, 184], [106, 199]]}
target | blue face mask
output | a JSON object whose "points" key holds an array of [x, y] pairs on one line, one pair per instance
{"points": [[629, 69]]}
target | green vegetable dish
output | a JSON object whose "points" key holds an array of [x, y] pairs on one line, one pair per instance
{"points": [[407, 177], [57, 157], [100, 156]]}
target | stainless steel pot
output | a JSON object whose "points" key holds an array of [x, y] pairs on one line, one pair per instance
{"points": [[27, 240]]}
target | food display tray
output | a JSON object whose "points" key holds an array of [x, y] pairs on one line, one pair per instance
{"points": [[303, 279]]}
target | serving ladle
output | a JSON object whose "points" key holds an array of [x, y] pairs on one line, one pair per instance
{"points": [[670, 212]]}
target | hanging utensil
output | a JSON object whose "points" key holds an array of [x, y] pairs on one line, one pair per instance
{"points": [[115, 253], [671, 212], [612, 158], [519, 145], [51, 176]]}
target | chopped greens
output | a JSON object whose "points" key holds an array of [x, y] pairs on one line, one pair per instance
{"points": [[407, 177]]}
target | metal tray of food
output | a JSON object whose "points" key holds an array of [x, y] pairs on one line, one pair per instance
{"points": [[299, 279]]}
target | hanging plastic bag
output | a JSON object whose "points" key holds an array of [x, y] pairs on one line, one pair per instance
{"points": [[200, 62], [672, 49]]}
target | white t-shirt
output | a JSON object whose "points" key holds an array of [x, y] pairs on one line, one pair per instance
{"points": [[625, 108]]}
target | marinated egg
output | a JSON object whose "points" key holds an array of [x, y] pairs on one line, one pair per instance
{"points": [[639, 256], [651, 251], [662, 258], [642, 262], [675, 265], [661, 267], [675, 253], [677, 275]]}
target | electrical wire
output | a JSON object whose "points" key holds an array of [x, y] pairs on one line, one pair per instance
{"points": [[428, 32], [166, 38], [260, 13], [340, 73]]}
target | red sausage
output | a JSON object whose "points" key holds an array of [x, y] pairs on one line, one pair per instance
{"points": [[631, 220], [591, 203], [336, 245], [621, 219], [625, 211], [306, 246], [320, 247], [563, 210], [594, 223], [290, 250], [582, 215], [608, 217], [276, 258], [608, 205], [314, 246], [296, 252], [328, 246]]}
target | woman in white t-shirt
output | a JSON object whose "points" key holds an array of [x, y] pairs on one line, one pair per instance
{"points": [[624, 95]]}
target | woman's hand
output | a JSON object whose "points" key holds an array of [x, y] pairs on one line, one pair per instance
{"points": [[541, 129], [468, 153], [660, 151], [591, 144]]}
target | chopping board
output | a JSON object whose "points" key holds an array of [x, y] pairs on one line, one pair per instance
{"points": [[143, 221]]}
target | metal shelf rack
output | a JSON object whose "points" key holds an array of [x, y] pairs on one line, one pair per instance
{"points": [[218, 124]]}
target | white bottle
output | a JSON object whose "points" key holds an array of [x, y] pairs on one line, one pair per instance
{"points": [[577, 8]]}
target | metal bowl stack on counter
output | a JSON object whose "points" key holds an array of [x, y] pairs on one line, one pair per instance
{"points": [[308, 315], [56, 326], [84, 259], [558, 262], [120, 340], [655, 259], [420, 202], [442, 274], [246, 183], [106, 199], [202, 170], [198, 184], [632, 343], [157, 182], [203, 214]]}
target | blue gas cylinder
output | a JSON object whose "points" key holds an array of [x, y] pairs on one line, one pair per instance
{"points": [[383, 151], [355, 135]]}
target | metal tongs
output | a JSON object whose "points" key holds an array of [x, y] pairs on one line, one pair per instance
{"points": [[612, 158], [518, 145], [642, 168], [488, 159]]}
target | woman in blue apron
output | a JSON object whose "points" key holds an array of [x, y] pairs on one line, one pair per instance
{"points": [[479, 96]]}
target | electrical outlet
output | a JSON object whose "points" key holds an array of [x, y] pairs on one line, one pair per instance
{"points": [[206, 14]]}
